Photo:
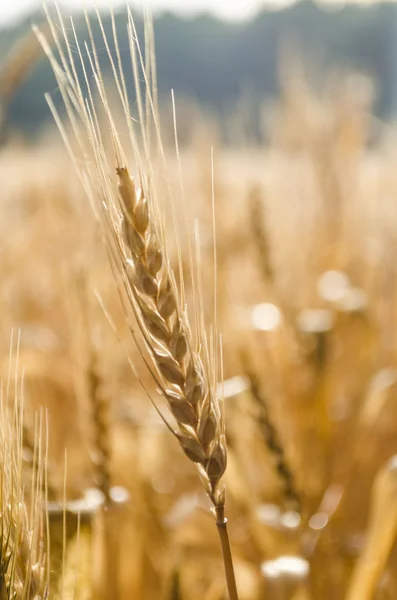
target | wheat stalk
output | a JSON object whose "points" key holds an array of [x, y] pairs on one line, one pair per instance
{"points": [[183, 368], [179, 369], [381, 535]]}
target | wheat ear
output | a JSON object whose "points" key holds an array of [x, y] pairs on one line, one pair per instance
{"points": [[179, 370], [22, 572], [99, 412], [273, 443], [133, 231], [107, 523]]}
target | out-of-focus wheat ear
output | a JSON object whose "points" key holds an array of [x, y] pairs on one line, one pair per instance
{"points": [[90, 385], [174, 584], [381, 535], [22, 549], [107, 515], [272, 441], [260, 234], [108, 519], [99, 406]]}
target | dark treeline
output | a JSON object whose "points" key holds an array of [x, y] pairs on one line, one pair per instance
{"points": [[215, 62]]}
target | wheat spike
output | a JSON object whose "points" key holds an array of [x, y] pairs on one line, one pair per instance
{"points": [[99, 411], [260, 234], [180, 371], [22, 572], [183, 367], [273, 443]]}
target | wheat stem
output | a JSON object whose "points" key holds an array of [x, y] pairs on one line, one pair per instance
{"points": [[221, 524], [182, 366]]}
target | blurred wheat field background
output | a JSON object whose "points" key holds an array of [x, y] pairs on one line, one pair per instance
{"points": [[97, 498]]}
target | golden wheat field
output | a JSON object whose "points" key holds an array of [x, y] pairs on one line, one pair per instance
{"points": [[197, 335]]}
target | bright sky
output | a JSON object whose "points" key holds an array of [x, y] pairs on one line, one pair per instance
{"points": [[11, 10]]}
